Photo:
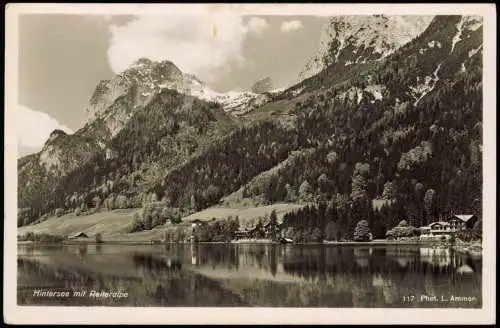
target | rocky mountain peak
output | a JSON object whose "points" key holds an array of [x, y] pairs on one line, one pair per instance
{"points": [[164, 70], [55, 134], [353, 39], [262, 86], [138, 84]]}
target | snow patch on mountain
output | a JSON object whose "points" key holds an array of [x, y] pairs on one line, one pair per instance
{"points": [[424, 86], [456, 37], [115, 101], [475, 51], [234, 102], [470, 23]]}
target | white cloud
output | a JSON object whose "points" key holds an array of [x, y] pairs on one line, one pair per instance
{"points": [[257, 24], [198, 44], [290, 26], [34, 127]]}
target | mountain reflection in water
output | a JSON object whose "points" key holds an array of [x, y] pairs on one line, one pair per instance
{"points": [[247, 275]]}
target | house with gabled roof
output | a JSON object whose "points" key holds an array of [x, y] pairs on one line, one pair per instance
{"points": [[77, 235], [463, 221], [458, 222], [439, 227]]}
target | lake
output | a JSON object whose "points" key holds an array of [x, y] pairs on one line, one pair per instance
{"points": [[236, 275]]}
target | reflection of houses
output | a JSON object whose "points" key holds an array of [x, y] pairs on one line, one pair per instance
{"points": [[440, 257], [402, 256], [465, 269]]}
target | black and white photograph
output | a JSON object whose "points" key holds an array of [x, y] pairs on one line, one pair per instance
{"points": [[242, 157]]}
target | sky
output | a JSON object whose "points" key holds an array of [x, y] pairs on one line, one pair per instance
{"points": [[63, 57]]}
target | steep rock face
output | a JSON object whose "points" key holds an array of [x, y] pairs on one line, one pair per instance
{"points": [[445, 49], [348, 40], [60, 154], [166, 131], [262, 86], [135, 87], [39, 173], [114, 103], [414, 113], [413, 117], [144, 76]]}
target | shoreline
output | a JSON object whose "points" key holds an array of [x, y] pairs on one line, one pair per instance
{"points": [[460, 248]]}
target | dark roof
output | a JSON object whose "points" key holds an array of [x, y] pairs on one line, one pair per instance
{"points": [[79, 234], [440, 223]]}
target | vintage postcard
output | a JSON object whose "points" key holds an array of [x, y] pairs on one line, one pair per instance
{"points": [[218, 163]]}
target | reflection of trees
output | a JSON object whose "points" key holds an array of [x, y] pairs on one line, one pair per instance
{"points": [[34, 249], [94, 248], [153, 263], [297, 276], [273, 260], [58, 279], [218, 255], [377, 275], [158, 286], [362, 256], [238, 257], [82, 250], [306, 262]]}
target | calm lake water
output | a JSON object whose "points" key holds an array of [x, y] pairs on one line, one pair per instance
{"points": [[230, 275]]}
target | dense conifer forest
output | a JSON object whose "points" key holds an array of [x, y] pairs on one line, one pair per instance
{"points": [[397, 139]]}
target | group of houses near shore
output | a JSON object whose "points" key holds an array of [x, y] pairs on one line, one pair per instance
{"points": [[438, 230], [457, 223], [253, 229]]}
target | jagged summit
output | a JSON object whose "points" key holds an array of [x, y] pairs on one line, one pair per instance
{"points": [[352, 39], [160, 70], [57, 132], [142, 61], [54, 135], [145, 77]]}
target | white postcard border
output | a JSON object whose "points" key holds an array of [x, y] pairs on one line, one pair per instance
{"points": [[155, 315]]}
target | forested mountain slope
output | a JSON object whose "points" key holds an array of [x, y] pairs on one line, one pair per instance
{"points": [[406, 133], [394, 138]]}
